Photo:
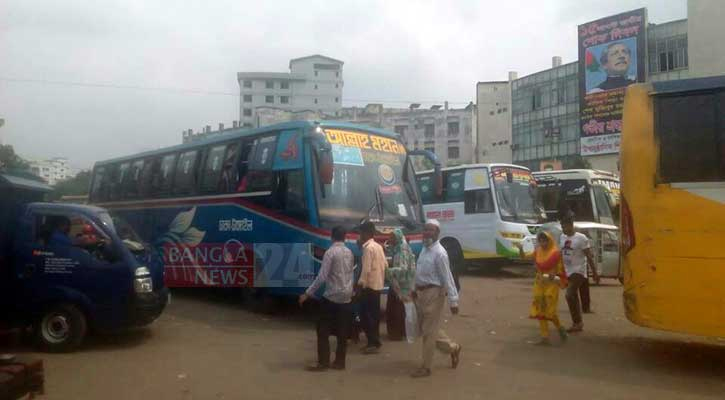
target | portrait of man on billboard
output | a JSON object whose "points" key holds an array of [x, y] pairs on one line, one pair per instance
{"points": [[611, 65]]}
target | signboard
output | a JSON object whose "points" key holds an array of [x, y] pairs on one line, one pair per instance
{"points": [[611, 57]]}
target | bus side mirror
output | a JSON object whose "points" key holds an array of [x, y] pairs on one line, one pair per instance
{"points": [[325, 166]]}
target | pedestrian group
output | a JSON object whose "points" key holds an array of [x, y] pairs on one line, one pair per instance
{"points": [[420, 290]]}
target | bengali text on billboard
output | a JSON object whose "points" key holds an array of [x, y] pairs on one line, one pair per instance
{"points": [[611, 57]]}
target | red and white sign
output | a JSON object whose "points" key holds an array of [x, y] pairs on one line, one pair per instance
{"points": [[441, 215], [229, 264]]}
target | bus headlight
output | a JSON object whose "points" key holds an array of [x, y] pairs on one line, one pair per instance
{"points": [[143, 282]]}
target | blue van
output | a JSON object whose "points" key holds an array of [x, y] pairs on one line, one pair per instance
{"points": [[68, 269]]}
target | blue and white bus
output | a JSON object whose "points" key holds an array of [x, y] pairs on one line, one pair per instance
{"points": [[254, 207]]}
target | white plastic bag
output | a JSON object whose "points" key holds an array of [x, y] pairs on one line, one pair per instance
{"points": [[411, 322]]}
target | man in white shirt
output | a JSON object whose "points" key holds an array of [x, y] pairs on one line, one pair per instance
{"points": [[433, 281], [576, 254]]}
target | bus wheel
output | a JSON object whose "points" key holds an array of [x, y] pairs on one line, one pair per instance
{"points": [[61, 328], [455, 256]]}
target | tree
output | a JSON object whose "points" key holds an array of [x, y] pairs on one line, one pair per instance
{"points": [[76, 186], [11, 161], [576, 162]]}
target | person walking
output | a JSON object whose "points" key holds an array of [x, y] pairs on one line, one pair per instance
{"points": [[400, 276], [433, 281], [371, 283], [576, 255], [550, 276], [336, 273]]}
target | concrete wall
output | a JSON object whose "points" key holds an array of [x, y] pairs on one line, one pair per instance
{"points": [[706, 37], [606, 162], [493, 122]]}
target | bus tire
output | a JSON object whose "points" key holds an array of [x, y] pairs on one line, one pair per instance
{"points": [[455, 256], [61, 328]]}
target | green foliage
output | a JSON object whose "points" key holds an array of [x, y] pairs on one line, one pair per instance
{"points": [[11, 161], [576, 162], [76, 186]]}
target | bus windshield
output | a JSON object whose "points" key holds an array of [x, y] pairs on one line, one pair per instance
{"points": [[515, 196], [369, 183]]}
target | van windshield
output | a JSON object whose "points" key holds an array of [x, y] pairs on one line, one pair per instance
{"points": [[122, 228]]}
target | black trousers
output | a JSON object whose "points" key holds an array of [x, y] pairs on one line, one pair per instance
{"points": [[370, 315], [334, 319], [585, 297], [576, 282]]}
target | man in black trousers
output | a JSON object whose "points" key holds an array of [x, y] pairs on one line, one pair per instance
{"points": [[335, 318]]}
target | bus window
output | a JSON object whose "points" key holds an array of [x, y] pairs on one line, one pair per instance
{"points": [[478, 201], [603, 207], [425, 187], [292, 186], [212, 168], [96, 189], [258, 175], [454, 184], [690, 149], [131, 186], [149, 173], [185, 177], [162, 185], [118, 180], [230, 170]]}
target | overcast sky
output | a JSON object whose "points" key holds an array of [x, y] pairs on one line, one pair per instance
{"points": [[394, 52]]}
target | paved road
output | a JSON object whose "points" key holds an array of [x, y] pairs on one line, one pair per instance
{"points": [[207, 346]]}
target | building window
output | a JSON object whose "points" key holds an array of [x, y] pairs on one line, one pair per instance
{"points": [[247, 112], [669, 54], [269, 84], [453, 152], [315, 86], [337, 74], [337, 85], [430, 130], [315, 101], [246, 125], [453, 128], [317, 73], [247, 98], [248, 84], [284, 85], [401, 129], [337, 99], [269, 99], [284, 99]]}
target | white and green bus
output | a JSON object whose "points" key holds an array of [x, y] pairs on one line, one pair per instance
{"points": [[483, 210]]}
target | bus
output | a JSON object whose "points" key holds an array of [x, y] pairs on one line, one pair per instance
{"points": [[673, 205], [593, 197], [254, 208], [483, 209]]}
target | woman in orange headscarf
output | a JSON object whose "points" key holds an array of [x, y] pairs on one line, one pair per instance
{"points": [[550, 276]]}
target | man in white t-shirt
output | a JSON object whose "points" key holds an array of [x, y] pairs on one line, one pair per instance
{"points": [[576, 254]]}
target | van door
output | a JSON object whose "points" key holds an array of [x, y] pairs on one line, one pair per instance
{"points": [[73, 260]]}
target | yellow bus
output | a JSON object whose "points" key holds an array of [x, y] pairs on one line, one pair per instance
{"points": [[672, 241]]}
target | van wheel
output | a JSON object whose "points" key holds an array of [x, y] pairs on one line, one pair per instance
{"points": [[61, 328]]}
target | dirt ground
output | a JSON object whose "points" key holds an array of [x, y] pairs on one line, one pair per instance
{"points": [[208, 346]]}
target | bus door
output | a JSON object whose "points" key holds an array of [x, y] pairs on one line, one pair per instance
{"points": [[480, 217]]}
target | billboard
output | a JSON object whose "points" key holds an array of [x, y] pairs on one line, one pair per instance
{"points": [[611, 57]]}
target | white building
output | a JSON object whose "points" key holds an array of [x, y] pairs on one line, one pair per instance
{"points": [[493, 123], [53, 170], [313, 83], [705, 30]]}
